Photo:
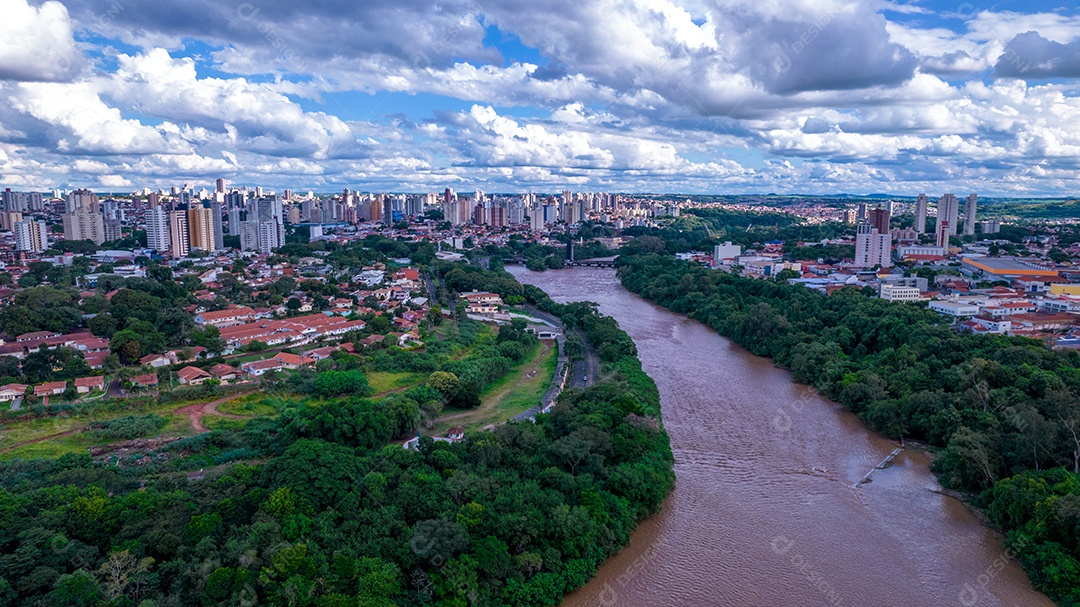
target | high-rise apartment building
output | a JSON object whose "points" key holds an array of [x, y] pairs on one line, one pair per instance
{"points": [[85, 223], [872, 248], [920, 213], [879, 219], [216, 225], [388, 211], [969, 214], [8, 219], [943, 232], [157, 229], [200, 228], [948, 210], [83, 199], [114, 230], [249, 235], [32, 236], [179, 237]]}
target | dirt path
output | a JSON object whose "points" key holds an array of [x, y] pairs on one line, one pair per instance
{"points": [[493, 399], [196, 411]]}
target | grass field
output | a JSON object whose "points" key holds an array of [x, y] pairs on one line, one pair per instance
{"points": [[382, 382], [78, 442], [518, 391], [252, 405], [42, 428]]}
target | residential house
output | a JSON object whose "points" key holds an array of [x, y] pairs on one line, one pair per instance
{"points": [[192, 376], [225, 318], [96, 360], [321, 353], [36, 336], [293, 361], [147, 381], [11, 392], [156, 360], [225, 373], [86, 385], [259, 367], [50, 388]]}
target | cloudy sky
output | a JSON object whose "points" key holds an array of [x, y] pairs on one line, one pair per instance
{"points": [[726, 96]]}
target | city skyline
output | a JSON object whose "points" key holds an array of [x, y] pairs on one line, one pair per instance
{"points": [[810, 98]]}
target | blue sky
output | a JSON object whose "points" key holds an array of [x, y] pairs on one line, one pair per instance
{"points": [[732, 96]]}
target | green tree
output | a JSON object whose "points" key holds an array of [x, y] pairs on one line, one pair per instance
{"points": [[446, 383], [338, 383]]}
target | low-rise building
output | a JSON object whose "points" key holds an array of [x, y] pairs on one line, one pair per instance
{"points": [[259, 367], [145, 382], [9, 392], [955, 309], [50, 388], [86, 385], [192, 376], [225, 373], [900, 293]]}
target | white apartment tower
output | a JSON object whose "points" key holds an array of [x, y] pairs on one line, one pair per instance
{"points": [[157, 229], [179, 241], [872, 248]]}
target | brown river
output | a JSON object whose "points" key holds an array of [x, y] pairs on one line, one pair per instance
{"points": [[764, 511]]}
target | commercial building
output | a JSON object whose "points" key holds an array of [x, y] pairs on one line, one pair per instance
{"points": [[1006, 267], [920, 251], [899, 293], [725, 252], [956, 309]]}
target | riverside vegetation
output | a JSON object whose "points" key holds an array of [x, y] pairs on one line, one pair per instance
{"points": [[315, 506]]}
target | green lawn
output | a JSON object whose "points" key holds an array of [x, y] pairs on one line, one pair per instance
{"points": [[382, 381]]}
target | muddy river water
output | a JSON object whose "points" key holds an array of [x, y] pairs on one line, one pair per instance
{"points": [[765, 511]]}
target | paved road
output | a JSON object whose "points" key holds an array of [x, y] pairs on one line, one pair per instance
{"points": [[581, 374], [585, 372]]}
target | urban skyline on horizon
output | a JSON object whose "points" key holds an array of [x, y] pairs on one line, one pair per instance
{"points": [[814, 98]]}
